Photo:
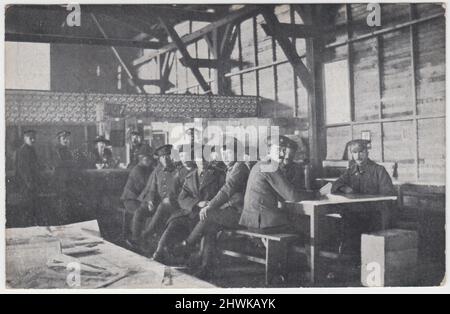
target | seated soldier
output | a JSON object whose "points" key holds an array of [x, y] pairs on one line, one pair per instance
{"points": [[136, 182], [265, 189], [171, 232], [199, 188], [154, 198], [293, 171], [362, 177], [224, 210]]}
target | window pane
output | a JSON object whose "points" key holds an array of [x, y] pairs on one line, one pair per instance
{"points": [[337, 95]]}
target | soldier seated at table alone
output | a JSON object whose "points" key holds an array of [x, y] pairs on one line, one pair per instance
{"points": [[363, 176], [267, 186], [137, 179], [224, 210], [175, 232], [155, 202]]}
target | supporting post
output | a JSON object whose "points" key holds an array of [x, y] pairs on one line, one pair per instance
{"points": [[313, 59]]}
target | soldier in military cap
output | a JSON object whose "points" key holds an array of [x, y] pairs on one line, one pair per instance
{"points": [[155, 201], [176, 228], [224, 210], [293, 171], [135, 145], [265, 189], [28, 177], [363, 176], [64, 177], [137, 179]]}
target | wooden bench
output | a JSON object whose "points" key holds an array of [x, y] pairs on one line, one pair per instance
{"points": [[276, 255]]}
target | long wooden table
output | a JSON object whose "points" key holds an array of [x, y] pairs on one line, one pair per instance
{"points": [[42, 257], [331, 204]]}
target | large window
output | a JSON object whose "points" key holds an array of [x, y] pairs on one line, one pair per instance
{"points": [[337, 92], [27, 66]]}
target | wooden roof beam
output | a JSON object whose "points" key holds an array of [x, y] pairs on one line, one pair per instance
{"points": [[185, 54], [64, 39], [201, 63], [232, 17], [293, 30], [288, 48]]}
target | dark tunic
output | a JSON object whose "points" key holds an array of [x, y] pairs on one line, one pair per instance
{"points": [[105, 158], [134, 149], [158, 185], [199, 187], [264, 190], [137, 179], [27, 171], [64, 167], [295, 174], [369, 178], [226, 207]]}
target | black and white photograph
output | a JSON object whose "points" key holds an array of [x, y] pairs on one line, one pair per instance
{"points": [[210, 145]]}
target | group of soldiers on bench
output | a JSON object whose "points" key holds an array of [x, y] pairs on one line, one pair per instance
{"points": [[178, 204], [181, 204]]}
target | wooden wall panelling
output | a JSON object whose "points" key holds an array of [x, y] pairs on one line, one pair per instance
{"points": [[430, 67], [431, 150], [394, 13], [428, 9], [359, 13], [399, 146], [337, 138], [412, 35], [376, 152], [397, 75], [366, 87]]}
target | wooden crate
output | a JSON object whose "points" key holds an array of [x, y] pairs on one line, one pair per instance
{"points": [[389, 258]]}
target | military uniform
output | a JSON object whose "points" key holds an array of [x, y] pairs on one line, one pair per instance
{"points": [[137, 179], [225, 208], [65, 181], [196, 188], [177, 217], [224, 211], [134, 151], [264, 191], [367, 178], [27, 169], [156, 193], [294, 173]]}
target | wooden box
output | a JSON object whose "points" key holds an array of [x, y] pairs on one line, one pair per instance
{"points": [[389, 258]]}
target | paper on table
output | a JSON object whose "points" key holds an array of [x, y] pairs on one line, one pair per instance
{"points": [[326, 189]]}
